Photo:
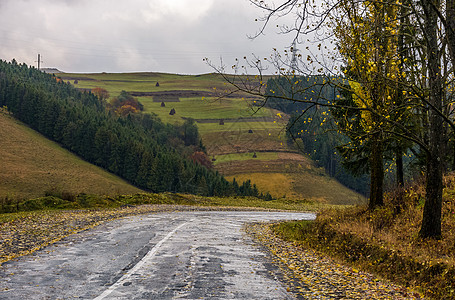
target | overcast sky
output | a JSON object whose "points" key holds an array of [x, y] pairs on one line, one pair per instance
{"points": [[135, 35]]}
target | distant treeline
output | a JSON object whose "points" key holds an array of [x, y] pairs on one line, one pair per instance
{"points": [[296, 96], [137, 147]]}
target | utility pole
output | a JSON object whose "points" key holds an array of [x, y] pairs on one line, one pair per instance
{"points": [[39, 61]]}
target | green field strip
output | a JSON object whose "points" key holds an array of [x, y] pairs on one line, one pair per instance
{"points": [[265, 156], [199, 108], [146, 82]]}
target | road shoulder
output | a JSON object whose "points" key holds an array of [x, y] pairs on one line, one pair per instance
{"points": [[310, 275]]}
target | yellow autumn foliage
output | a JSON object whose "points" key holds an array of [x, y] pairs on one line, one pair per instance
{"points": [[370, 54]]}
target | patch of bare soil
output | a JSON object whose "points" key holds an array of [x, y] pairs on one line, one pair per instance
{"points": [[293, 156], [228, 142]]}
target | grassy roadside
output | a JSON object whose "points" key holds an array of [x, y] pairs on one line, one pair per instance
{"points": [[314, 275], [68, 201], [385, 241]]}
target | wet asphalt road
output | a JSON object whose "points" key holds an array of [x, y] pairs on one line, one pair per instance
{"points": [[181, 255]]}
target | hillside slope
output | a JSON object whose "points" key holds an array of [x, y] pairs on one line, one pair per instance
{"points": [[31, 165], [244, 143]]}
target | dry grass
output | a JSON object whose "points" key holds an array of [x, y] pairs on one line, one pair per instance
{"points": [[315, 276], [293, 177], [385, 241], [231, 168], [398, 231], [31, 165], [238, 140]]}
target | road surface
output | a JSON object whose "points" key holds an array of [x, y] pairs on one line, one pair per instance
{"points": [[175, 255]]}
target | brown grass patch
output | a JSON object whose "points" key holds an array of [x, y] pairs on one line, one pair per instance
{"points": [[257, 166], [226, 142], [314, 275], [310, 184], [385, 241], [30, 165], [315, 184]]}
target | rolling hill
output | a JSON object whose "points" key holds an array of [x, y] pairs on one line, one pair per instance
{"points": [[31, 165], [243, 143]]}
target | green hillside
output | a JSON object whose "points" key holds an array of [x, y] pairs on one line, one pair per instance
{"points": [[140, 148], [231, 129], [31, 165]]}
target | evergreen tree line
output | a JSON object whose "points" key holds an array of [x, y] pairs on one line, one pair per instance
{"points": [[313, 125], [138, 147], [325, 147]]}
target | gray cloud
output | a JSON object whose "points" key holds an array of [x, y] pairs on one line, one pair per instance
{"points": [[123, 36]]}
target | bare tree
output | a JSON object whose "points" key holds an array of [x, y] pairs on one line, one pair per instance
{"points": [[416, 87]]}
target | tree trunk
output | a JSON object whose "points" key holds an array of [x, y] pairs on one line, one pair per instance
{"points": [[377, 174], [399, 190], [398, 203], [450, 29], [400, 169], [377, 90], [453, 157], [399, 195], [431, 223]]}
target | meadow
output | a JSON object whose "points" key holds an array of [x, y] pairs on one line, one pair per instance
{"points": [[202, 108], [245, 130], [33, 166], [146, 82]]}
